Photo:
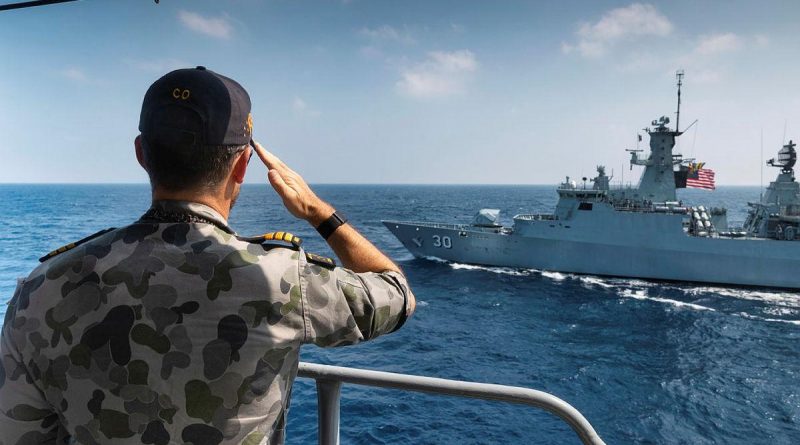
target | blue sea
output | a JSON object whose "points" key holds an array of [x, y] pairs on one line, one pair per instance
{"points": [[645, 362]]}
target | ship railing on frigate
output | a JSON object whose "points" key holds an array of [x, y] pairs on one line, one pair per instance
{"points": [[329, 380], [460, 227], [436, 225]]}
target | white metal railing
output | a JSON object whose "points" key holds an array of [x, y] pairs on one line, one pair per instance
{"points": [[329, 381], [432, 224], [459, 227]]}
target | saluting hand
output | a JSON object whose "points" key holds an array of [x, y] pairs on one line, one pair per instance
{"points": [[355, 252], [297, 196]]}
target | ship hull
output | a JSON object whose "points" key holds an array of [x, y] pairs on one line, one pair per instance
{"points": [[673, 256]]}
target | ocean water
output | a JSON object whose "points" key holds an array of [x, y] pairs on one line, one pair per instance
{"points": [[645, 362]]}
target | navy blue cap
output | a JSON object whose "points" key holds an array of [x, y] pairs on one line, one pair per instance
{"points": [[196, 107]]}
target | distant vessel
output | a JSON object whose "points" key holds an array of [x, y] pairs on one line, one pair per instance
{"points": [[641, 232]]}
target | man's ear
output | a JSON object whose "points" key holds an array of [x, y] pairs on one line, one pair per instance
{"points": [[240, 167], [139, 154]]}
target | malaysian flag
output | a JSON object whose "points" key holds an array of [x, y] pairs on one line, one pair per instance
{"points": [[699, 177]]}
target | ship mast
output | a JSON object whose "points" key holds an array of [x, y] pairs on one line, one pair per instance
{"points": [[679, 76]]}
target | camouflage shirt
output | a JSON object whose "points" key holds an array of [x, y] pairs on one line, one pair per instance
{"points": [[167, 332]]}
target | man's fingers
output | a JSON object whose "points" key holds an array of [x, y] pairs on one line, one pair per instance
{"points": [[273, 162], [269, 159], [278, 183], [264, 155]]}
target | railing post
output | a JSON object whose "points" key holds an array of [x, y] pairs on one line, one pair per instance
{"points": [[328, 392]]}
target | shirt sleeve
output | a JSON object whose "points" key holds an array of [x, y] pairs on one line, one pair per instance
{"points": [[25, 416], [341, 307]]}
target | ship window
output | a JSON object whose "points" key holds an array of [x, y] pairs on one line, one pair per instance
{"points": [[585, 206]]}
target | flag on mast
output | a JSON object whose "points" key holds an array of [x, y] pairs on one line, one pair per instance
{"points": [[699, 177]]}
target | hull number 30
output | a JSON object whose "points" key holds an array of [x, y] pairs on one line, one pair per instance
{"points": [[442, 241]]}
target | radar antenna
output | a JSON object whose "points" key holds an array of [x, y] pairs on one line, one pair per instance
{"points": [[679, 76], [787, 157]]}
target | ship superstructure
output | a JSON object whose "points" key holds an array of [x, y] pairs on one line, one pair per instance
{"points": [[642, 231], [778, 213]]}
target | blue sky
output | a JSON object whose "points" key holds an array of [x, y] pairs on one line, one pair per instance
{"points": [[368, 91]]}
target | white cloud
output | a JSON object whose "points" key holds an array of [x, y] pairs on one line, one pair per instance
{"points": [[299, 105], [454, 61], [706, 76], [457, 28], [761, 40], [441, 74], [388, 33], [74, 74], [370, 51], [718, 43], [218, 27], [635, 20], [301, 108]]}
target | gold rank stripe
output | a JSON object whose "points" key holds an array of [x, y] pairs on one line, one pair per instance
{"points": [[282, 236], [72, 245], [321, 260], [61, 249]]}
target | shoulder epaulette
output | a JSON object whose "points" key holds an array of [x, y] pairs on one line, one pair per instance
{"points": [[273, 236], [73, 245], [323, 261]]}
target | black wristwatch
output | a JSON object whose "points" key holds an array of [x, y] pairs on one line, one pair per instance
{"points": [[330, 225]]}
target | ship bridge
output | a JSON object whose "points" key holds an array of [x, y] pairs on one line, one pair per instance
{"points": [[582, 194], [570, 189]]}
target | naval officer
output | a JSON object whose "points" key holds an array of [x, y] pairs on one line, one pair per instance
{"points": [[174, 329]]}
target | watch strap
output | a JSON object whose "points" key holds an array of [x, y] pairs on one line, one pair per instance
{"points": [[330, 225]]}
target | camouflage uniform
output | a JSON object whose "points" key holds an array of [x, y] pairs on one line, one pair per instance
{"points": [[175, 332]]}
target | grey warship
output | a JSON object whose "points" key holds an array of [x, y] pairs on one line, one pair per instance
{"points": [[638, 232]]}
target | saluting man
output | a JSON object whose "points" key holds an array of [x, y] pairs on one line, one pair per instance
{"points": [[175, 329]]}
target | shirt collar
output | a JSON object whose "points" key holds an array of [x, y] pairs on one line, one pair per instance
{"points": [[193, 208]]}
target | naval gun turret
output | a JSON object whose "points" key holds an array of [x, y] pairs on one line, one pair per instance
{"points": [[777, 215]]}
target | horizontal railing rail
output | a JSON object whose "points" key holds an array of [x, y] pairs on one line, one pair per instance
{"points": [[433, 225], [329, 381], [461, 227]]}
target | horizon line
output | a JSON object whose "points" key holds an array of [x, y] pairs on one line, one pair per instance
{"points": [[348, 183]]}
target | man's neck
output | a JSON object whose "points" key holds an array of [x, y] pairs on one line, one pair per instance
{"points": [[222, 206]]}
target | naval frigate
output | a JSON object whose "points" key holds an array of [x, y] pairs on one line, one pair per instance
{"points": [[639, 232]]}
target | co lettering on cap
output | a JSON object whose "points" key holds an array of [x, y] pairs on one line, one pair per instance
{"points": [[178, 93]]}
